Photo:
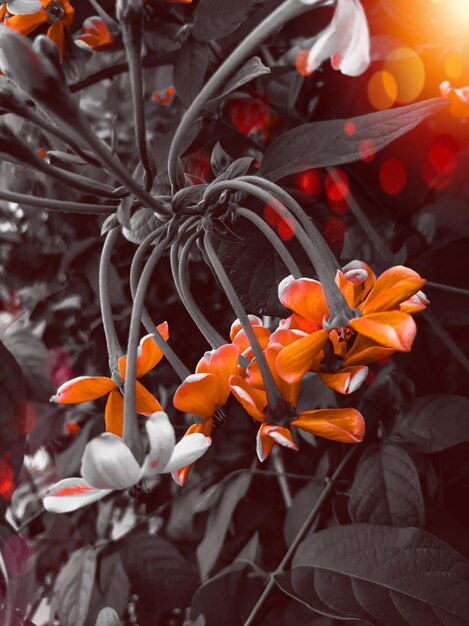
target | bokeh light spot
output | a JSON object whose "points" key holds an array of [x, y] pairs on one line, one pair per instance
{"points": [[286, 228], [408, 70], [454, 66], [443, 154], [392, 176], [367, 150], [270, 215], [382, 90], [310, 182], [350, 129], [334, 231], [337, 185]]}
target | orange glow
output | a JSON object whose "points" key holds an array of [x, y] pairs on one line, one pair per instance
{"points": [[382, 90], [408, 71], [454, 65]]}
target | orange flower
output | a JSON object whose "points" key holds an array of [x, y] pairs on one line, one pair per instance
{"points": [[57, 13], [96, 35], [86, 388], [345, 425], [384, 326], [240, 340], [459, 99]]}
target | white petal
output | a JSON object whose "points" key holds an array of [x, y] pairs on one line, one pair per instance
{"points": [[347, 36], [162, 442], [109, 464], [23, 7], [260, 447], [187, 451], [357, 380], [71, 494]]}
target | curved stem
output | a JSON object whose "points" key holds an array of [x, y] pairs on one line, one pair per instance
{"points": [[49, 204], [172, 358], [113, 346], [273, 394], [330, 484], [208, 331], [284, 13], [131, 436], [276, 242], [340, 312], [132, 36]]}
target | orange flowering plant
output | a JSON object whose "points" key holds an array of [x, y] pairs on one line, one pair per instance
{"points": [[191, 161]]}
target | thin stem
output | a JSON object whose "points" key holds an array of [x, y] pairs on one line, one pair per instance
{"points": [[330, 484], [132, 35], [49, 204], [446, 339], [172, 358], [276, 242], [131, 436], [449, 288], [113, 346], [273, 394], [340, 312], [277, 462], [208, 331], [284, 13]]}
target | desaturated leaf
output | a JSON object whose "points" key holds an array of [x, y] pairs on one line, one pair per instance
{"points": [[386, 488], [108, 617], [189, 69], [152, 563], [13, 413], [65, 158], [254, 68], [32, 355], [303, 502], [228, 597], [383, 575], [323, 144], [124, 211], [110, 222], [142, 223], [113, 586], [188, 196], [235, 169], [219, 520], [219, 160], [214, 19], [434, 423], [73, 587], [68, 462]]}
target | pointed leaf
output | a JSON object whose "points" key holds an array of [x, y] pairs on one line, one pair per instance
{"points": [[108, 617], [214, 19], [73, 587], [322, 144], [433, 423], [386, 488], [252, 69], [189, 69]]}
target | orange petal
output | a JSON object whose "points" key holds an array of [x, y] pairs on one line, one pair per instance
{"points": [[364, 351], [25, 24], [114, 413], [197, 395], [347, 380], [394, 286], [242, 342], [304, 296], [252, 400], [205, 427], [389, 329], [346, 425], [83, 389], [221, 363], [268, 435], [300, 323], [146, 403], [298, 358], [148, 354], [415, 304], [56, 32], [236, 326]]}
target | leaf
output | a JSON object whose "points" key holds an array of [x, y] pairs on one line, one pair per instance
{"points": [[189, 69], [383, 575], [142, 223], [73, 587], [113, 587], [218, 522], [124, 211], [252, 69], [236, 169], [386, 488], [214, 19], [13, 414], [219, 159], [303, 502], [32, 356], [152, 563], [322, 144], [108, 617], [228, 597], [433, 423]]}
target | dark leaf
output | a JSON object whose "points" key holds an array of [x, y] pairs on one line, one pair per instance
{"points": [[186, 197], [218, 522], [164, 579], [109, 222], [302, 504], [219, 160], [189, 69], [108, 617], [142, 223], [73, 587], [13, 412], [386, 488], [434, 423], [227, 598], [113, 588], [235, 169], [124, 211], [382, 575], [251, 70], [322, 144], [214, 19]]}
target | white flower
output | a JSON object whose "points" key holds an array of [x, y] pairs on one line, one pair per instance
{"points": [[346, 41], [108, 464]]}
